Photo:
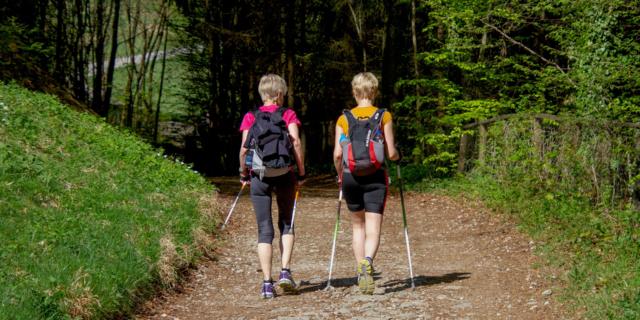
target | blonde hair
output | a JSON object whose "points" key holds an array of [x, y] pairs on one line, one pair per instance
{"points": [[364, 85], [270, 86]]}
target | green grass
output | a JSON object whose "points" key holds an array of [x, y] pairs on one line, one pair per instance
{"points": [[598, 250], [92, 219]]}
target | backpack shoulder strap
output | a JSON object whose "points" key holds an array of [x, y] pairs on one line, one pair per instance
{"points": [[351, 119], [352, 122], [281, 111], [250, 142], [376, 118], [276, 116]]}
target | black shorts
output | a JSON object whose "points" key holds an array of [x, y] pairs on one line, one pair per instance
{"points": [[368, 193]]}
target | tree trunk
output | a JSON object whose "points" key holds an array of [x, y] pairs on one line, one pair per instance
{"points": [[388, 54], [112, 58], [59, 69], [358, 21], [133, 14], [42, 16], [302, 49], [164, 64], [78, 53], [440, 74], [414, 42], [482, 143], [290, 49], [98, 61]]}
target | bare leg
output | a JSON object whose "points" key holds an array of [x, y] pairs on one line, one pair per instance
{"points": [[358, 242], [286, 249], [373, 224], [280, 247], [265, 253]]}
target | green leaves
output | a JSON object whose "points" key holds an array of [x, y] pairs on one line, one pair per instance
{"points": [[483, 59]]}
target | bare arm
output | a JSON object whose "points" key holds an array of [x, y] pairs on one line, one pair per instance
{"points": [[337, 152], [390, 142], [243, 151], [294, 134]]}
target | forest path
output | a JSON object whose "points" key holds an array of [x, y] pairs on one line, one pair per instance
{"points": [[137, 59], [468, 264]]}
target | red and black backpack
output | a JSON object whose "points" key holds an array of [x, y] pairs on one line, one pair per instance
{"points": [[363, 152]]}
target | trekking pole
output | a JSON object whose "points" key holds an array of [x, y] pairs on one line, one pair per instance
{"points": [[335, 236], [406, 229], [233, 206], [295, 205]]}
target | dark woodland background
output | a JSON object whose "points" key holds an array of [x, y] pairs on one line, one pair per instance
{"points": [[442, 64]]}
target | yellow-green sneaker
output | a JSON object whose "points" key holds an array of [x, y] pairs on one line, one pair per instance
{"points": [[365, 276]]}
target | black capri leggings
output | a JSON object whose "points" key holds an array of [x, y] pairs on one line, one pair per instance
{"points": [[285, 188]]}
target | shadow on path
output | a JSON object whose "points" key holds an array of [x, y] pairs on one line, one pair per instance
{"points": [[391, 285], [336, 283], [323, 186], [400, 285]]}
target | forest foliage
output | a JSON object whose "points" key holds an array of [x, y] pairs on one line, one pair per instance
{"points": [[442, 64]]}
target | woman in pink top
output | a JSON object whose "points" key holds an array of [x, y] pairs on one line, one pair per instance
{"points": [[282, 181]]}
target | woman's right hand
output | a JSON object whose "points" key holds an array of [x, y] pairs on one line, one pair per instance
{"points": [[245, 177]]}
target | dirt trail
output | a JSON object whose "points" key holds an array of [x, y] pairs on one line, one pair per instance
{"points": [[468, 264]]}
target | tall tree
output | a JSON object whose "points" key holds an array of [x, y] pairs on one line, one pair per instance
{"points": [[114, 52], [98, 55], [358, 17], [61, 42]]}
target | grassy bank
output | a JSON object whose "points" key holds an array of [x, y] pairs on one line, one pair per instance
{"points": [[598, 251], [92, 218]]}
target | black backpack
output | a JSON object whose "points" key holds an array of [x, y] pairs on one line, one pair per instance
{"points": [[269, 143], [363, 151]]}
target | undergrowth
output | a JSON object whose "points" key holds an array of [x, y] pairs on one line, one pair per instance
{"points": [[573, 192]]}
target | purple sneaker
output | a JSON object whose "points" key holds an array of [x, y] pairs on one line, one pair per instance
{"points": [[286, 282], [267, 291]]}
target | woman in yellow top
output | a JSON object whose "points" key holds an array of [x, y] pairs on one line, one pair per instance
{"points": [[364, 189]]}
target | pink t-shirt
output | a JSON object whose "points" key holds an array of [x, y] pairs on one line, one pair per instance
{"points": [[289, 117]]}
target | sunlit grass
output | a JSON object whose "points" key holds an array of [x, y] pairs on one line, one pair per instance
{"points": [[84, 210]]}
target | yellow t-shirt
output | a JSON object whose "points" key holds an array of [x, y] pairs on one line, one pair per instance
{"points": [[362, 113]]}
